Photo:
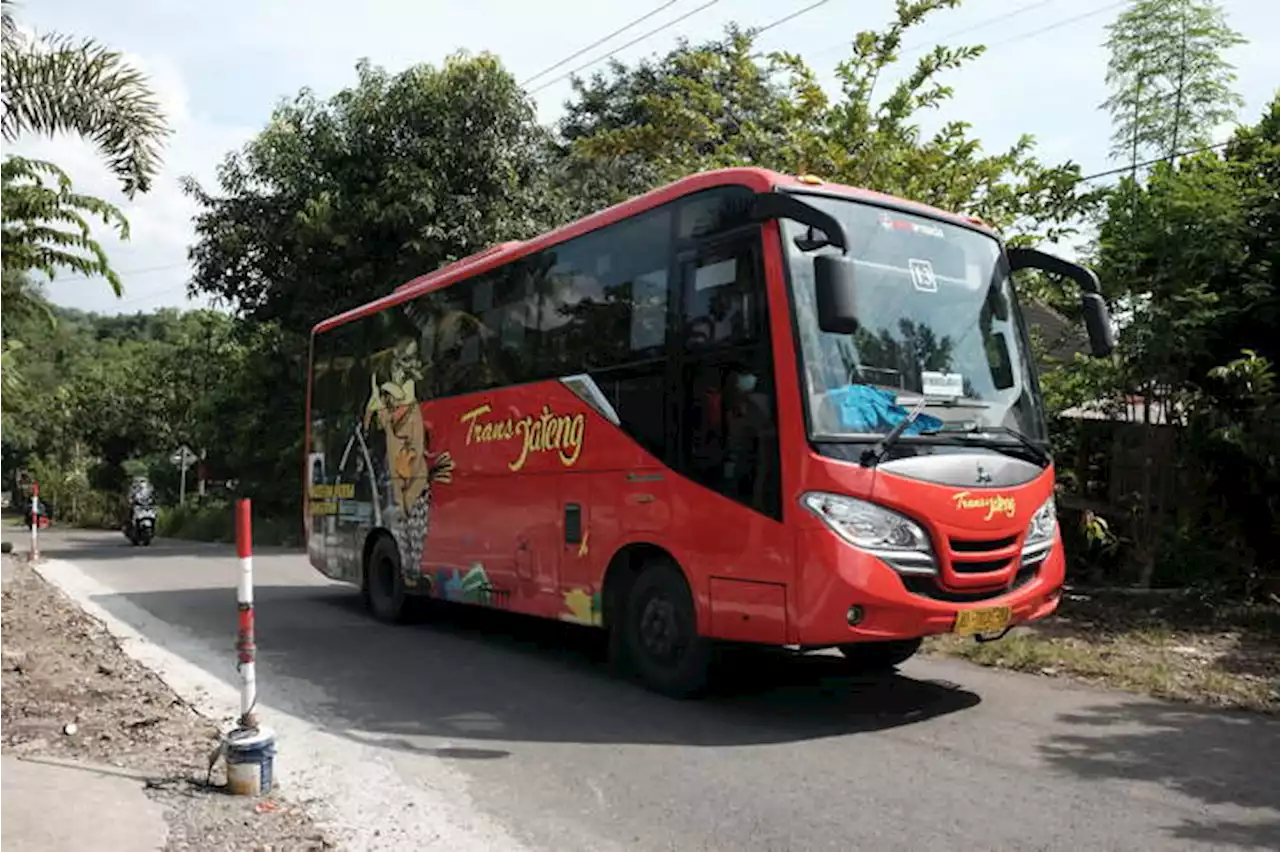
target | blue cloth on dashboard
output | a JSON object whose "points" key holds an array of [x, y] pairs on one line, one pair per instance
{"points": [[863, 408]]}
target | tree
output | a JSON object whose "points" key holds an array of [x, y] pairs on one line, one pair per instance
{"points": [[56, 83], [1171, 86], [721, 104], [46, 227], [1195, 249], [338, 201]]}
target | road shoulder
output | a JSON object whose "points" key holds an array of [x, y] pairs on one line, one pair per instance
{"points": [[352, 790]]}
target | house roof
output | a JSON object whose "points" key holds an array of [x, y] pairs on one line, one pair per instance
{"points": [[1062, 337]]}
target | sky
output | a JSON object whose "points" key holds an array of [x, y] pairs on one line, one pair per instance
{"points": [[221, 68]]}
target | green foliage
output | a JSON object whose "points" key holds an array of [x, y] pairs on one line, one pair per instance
{"points": [[10, 374], [721, 104], [57, 83], [1192, 254], [214, 520], [1171, 86], [339, 201], [46, 226]]}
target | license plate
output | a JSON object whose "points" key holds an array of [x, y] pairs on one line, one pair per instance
{"points": [[989, 620]]}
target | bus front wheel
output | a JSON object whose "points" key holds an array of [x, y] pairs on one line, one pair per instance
{"points": [[384, 590], [880, 656], [660, 633]]}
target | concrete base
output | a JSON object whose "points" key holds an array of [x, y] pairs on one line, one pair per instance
{"points": [[111, 812]]}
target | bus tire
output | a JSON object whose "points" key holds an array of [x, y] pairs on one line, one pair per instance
{"points": [[384, 591], [660, 633], [880, 656]]}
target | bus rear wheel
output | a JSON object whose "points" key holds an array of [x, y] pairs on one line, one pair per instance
{"points": [[660, 633], [384, 591], [880, 656]]}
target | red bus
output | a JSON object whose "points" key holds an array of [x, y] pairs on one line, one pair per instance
{"points": [[744, 408]]}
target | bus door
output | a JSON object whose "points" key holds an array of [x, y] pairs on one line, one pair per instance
{"points": [[728, 438]]}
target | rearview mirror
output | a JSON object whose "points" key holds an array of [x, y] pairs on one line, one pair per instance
{"points": [[1097, 319], [835, 293]]}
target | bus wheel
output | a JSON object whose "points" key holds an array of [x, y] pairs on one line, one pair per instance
{"points": [[384, 591], [880, 656], [660, 633]]}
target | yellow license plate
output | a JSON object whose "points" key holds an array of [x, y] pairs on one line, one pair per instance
{"points": [[989, 620]]}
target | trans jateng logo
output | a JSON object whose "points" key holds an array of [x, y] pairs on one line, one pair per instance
{"points": [[995, 504]]}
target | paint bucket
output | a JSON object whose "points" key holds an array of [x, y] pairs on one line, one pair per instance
{"points": [[250, 754]]}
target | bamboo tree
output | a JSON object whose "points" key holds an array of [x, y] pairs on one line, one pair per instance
{"points": [[1170, 83]]}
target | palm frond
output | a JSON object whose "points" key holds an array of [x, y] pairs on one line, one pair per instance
{"points": [[11, 35], [58, 84], [46, 227]]}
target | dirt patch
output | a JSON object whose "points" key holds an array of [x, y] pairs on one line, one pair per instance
{"points": [[69, 691], [1177, 646]]}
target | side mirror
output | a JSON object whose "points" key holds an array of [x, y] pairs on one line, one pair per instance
{"points": [[835, 293], [1097, 319]]}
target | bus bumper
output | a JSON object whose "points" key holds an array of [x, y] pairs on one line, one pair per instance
{"points": [[834, 577]]}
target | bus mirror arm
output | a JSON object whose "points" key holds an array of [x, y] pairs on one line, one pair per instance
{"points": [[1097, 318], [833, 278], [768, 206]]}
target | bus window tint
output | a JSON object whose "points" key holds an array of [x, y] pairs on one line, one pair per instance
{"points": [[605, 296], [513, 322], [721, 301]]}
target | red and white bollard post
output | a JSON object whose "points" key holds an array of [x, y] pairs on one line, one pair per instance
{"points": [[250, 749], [246, 647], [35, 521]]}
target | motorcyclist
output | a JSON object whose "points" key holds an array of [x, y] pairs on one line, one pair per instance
{"points": [[139, 496], [141, 493]]}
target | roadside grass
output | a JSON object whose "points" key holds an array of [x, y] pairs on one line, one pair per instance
{"points": [[1179, 646]]}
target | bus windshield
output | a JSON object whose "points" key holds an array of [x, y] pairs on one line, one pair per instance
{"points": [[938, 325]]}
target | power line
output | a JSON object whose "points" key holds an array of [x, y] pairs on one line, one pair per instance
{"points": [[792, 16], [618, 50], [1061, 23], [976, 26], [774, 23], [598, 42], [122, 272], [1163, 159]]}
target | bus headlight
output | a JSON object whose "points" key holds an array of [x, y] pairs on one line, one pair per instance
{"points": [[1043, 523], [1039, 539], [866, 525]]}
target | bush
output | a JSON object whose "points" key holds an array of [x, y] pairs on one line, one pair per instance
{"points": [[214, 520]]}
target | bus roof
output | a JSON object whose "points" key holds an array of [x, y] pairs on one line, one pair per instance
{"points": [[756, 179]]}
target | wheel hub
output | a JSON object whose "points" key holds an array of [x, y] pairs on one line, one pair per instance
{"points": [[660, 629]]}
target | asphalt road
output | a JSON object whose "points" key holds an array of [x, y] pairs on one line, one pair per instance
{"points": [[787, 755]]}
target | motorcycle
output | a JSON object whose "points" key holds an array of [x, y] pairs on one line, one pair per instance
{"points": [[141, 528]]}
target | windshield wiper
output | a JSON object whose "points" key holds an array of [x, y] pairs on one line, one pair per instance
{"points": [[874, 455], [1041, 454]]}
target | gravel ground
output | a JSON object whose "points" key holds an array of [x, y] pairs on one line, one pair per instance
{"points": [[68, 691]]}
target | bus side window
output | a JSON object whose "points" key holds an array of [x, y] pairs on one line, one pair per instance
{"points": [[721, 299], [730, 440]]}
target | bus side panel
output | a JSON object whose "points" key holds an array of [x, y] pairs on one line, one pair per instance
{"points": [[521, 462], [616, 508], [716, 537]]}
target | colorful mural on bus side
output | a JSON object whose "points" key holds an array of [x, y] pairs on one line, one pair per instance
{"points": [[400, 458]]}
